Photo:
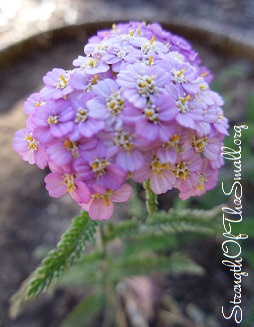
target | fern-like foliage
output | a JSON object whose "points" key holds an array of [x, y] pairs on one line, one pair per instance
{"points": [[186, 220], [87, 271], [150, 243], [68, 251], [148, 263], [119, 266], [172, 222], [140, 242]]}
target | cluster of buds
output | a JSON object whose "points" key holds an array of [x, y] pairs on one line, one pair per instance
{"points": [[136, 106]]}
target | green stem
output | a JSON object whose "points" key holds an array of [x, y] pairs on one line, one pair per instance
{"points": [[102, 248], [109, 305], [101, 244], [151, 198]]}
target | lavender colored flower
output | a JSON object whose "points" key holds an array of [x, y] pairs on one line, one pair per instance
{"points": [[181, 73], [153, 122], [56, 84], [128, 148], [33, 102], [207, 179], [101, 206], [53, 120], [185, 171], [64, 180], [161, 176], [167, 152], [108, 101], [91, 65], [137, 105], [141, 82], [119, 57], [85, 125], [96, 168], [189, 109], [64, 151], [29, 148], [208, 145]]}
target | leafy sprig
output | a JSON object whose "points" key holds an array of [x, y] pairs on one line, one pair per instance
{"points": [[68, 251], [171, 222]]}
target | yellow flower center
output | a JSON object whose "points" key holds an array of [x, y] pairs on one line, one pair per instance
{"points": [[204, 74], [115, 103], [73, 147], [219, 118], [146, 85], [32, 143], [150, 46], [81, 115], [91, 82], [53, 120], [199, 143], [182, 104], [150, 61], [151, 112], [99, 166], [178, 75], [93, 63], [124, 140], [201, 180], [63, 81], [104, 197], [69, 181], [39, 104], [181, 170], [172, 143], [157, 167]]}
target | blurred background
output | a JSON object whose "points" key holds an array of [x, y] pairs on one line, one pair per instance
{"points": [[31, 222], [22, 18]]}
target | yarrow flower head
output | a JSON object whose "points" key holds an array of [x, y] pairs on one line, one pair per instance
{"points": [[137, 105]]}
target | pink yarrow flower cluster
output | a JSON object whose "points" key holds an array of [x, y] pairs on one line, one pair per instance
{"points": [[137, 105]]}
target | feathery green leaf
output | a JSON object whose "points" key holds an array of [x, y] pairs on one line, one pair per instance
{"points": [[148, 263], [86, 272], [149, 243], [186, 220], [171, 222], [68, 251]]}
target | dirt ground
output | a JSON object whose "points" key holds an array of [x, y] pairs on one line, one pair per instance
{"points": [[29, 218]]}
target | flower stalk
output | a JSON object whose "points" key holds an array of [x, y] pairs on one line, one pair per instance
{"points": [[151, 198]]}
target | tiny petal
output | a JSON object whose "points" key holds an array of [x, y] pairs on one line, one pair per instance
{"points": [[100, 209], [55, 185], [81, 194], [161, 183], [122, 194]]}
